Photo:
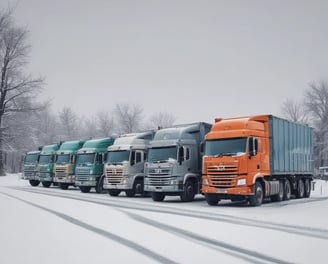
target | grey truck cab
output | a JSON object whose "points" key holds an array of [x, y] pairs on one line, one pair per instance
{"points": [[174, 162], [124, 168]]}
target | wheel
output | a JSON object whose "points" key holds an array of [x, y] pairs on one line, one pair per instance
{"points": [[132, 192], [46, 184], [279, 197], [257, 198], [34, 182], [212, 199], [100, 185], [85, 189], [157, 197], [300, 189], [307, 188], [113, 192], [189, 192], [63, 186], [287, 190]]}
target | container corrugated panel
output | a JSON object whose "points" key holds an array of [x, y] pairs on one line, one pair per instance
{"points": [[291, 147]]}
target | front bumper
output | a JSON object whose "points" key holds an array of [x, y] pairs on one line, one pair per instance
{"points": [[86, 183], [65, 179]]}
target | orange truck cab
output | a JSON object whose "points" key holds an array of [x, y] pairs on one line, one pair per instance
{"points": [[257, 157]]}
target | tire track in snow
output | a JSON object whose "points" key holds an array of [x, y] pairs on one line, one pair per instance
{"points": [[239, 252], [292, 229], [121, 240]]}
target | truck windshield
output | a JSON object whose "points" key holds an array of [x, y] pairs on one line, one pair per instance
{"points": [[31, 158], [45, 159], [114, 157], [162, 154], [85, 158], [62, 159], [225, 147]]}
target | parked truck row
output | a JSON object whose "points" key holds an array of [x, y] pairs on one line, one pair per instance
{"points": [[246, 158]]}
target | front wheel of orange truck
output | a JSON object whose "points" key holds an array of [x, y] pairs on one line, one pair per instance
{"points": [[212, 199], [257, 198]]}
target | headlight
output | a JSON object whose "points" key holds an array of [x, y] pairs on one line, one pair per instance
{"points": [[205, 181], [125, 181], [241, 182], [174, 182], [91, 172], [91, 178]]}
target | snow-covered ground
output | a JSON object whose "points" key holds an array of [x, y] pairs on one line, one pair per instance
{"points": [[49, 225]]}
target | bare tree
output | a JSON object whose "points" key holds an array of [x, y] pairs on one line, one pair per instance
{"points": [[18, 90], [105, 123], [316, 102], [161, 120], [294, 111], [69, 123], [128, 118], [90, 128]]}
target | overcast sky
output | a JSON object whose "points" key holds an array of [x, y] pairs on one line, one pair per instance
{"points": [[194, 59]]}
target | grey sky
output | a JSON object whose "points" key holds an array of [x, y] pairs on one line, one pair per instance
{"points": [[195, 59]]}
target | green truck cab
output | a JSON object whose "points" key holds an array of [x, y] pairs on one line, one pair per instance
{"points": [[66, 163], [45, 168], [30, 165], [90, 164]]}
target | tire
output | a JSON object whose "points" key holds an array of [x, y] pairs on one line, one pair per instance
{"points": [[157, 196], [34, 182], [100, 185], [280, 196], [287, 190], [189, 192], [63, 186], [300, 189], [85, 189], [114, 192], [257, 198], [307, 188], [212, 199], [46, 184], [132, 192]]}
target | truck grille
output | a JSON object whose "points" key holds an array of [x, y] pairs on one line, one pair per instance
{"points": [[223, 175], [159, 181], [159, 176], [61, 172], [82, 174], [223, 180], [114, 175]]}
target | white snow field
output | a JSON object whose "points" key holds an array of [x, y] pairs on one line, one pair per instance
{"points": [[50, 225]]}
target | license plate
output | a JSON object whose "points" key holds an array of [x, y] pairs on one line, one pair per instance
{"points": [[221, 190]]}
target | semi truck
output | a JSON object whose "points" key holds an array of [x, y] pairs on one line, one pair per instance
{"points": [[124, 168], [45, 168], [30, 165], [66, 162], [90, 164], [255, 158], [174, 162]]}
